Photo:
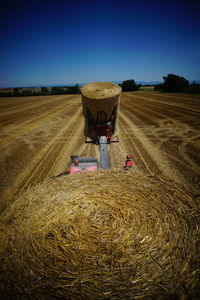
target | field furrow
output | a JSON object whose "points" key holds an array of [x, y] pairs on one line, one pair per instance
{"points": [[39, 134]]}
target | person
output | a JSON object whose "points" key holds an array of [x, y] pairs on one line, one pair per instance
{"points": [[128, 162]]}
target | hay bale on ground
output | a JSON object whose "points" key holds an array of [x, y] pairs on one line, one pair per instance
{"points": [[100, 97], [102, 235]]}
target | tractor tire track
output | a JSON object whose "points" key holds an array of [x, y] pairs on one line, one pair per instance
{"points": [[175, 130], [32, 104], [165, 97], [139, 155], [10, 134], [21, 117], [39, 134], [173, 110], [47, 160], [153, 162]]}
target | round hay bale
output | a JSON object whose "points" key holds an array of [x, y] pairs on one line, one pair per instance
{"points": [[98, 97], [102, 235]]}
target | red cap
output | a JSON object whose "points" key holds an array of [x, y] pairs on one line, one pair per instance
{"points": [[129, 156]]}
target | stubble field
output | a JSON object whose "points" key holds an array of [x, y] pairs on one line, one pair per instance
{"points": [[39, 134]]}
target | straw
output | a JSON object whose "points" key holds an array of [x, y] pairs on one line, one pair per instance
{"points": [[100, 96], [101, 235]]}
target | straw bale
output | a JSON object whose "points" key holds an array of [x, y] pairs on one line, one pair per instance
{"points": [[101, 235], [100, 96]]}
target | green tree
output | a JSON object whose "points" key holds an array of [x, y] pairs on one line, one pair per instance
{"points": [[194, 88], [16, 92], [44, 90], [73, 89], [158, 86], [129, 85], [57, 90], [174, 83], [26, 93]]}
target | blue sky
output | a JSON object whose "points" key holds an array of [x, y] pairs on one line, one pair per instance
{"points": [[66, 42]]}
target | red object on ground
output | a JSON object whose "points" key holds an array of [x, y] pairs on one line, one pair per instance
{"points": [[75, 170], [129, 163]]}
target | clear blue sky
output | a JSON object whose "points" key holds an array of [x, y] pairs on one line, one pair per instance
{"points": [[60, 42]]}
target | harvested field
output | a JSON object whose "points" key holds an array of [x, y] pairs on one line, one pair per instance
{"points": [[107, 234], [38, 135]]}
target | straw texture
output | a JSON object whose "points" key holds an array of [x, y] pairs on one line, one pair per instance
{"points": [[101, 90], [100, 96], [101, 235]]}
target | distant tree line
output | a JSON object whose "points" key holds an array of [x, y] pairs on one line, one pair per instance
{"points": [[38, 92], [129, 85], [174, 83], [69, 90]]}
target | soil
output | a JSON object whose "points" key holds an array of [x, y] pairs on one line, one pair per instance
{"points": [[39, 134]]}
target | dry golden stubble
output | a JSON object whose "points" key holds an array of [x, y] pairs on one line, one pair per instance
{"points": [[102, 235]]}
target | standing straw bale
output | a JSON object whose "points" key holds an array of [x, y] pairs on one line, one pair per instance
{"points": [[100, 97], [101, 235]]}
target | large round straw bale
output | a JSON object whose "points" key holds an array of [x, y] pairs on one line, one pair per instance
{"points": [[102, 235], [100, 97]]}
